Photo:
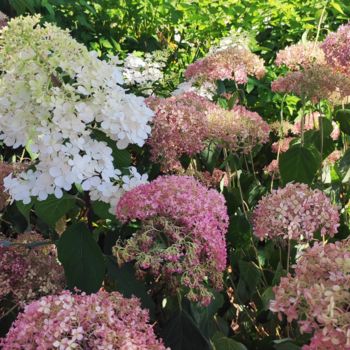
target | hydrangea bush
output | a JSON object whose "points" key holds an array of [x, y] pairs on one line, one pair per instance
{"points": [[181, 242], [72, 321], [245, 143], [56, 94]]}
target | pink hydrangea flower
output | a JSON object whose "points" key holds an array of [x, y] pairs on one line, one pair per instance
{"points": [[182, 239], [26, 274], [282, 145], [295, 212], [179, 127], [318, 295], [105, 321], [234, 63], [272, 168], [239, 129], [314, 83], [301, 55], [336, 47]]}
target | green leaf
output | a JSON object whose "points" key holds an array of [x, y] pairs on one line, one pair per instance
{"points": [[337, 7], [81, 258], [204, 316], [343, 117], [249, 278], [125, 282], [344, 167], [224, 343], [25, 209], [285, 344], [181, 333], [266, 297], [52, 209], [299, 164], [101, 209]]}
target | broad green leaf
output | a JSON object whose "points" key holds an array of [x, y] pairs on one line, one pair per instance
{"points": [[181, 333], [224, 343], [337, 7], [285, 344], [249, 278], [52, 209], [81, 258], [344, 166], [299, 164], [25, 209], [204, 316], [343, 117], [123, 279]]}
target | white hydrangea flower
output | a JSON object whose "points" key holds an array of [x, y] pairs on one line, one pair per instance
{"points": [[54, 94], [207, 89], [145, 70]]}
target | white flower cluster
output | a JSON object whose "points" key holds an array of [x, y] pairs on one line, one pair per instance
{"points": [[54, 94], [234, 39], [207, 89], [144, 70]]}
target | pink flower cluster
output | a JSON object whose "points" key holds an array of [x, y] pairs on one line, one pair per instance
{"points": [[272, 168], [282, 145], [182, 239], [234, 63], [295, 212], [314, 83], [336, 47], [26, 274], [239, 129], [301, 55], [183, 123], [179, 127], [101, 321], [318, 296]]}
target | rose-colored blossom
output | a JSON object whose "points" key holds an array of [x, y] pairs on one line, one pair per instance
{"points": [[318, 295], [234, 63], [27, 274], [179, 127], [238, 129], [182, 238], [301, 55], [336, 47], [281, 145], [335, 134], [272, 168], [311, 121], [101, 321], [333, 157], [314, 83], [295, 212]]}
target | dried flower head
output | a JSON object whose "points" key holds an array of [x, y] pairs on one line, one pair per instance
{"points": [[295, 212], [238, 129], [179, 127], [233, 63], [318, 295], [300, 56], [314, 83], [28, 273], [281, 145], [336, 49], [181, 242], [104, 321]]}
